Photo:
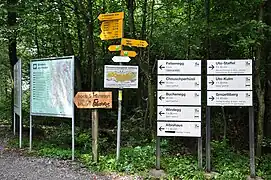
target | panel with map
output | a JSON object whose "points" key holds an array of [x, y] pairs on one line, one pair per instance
{"points": [[52, 83]]}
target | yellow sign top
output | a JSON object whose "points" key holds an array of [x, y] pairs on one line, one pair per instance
{"points": [[133, 42], [111, 16]]}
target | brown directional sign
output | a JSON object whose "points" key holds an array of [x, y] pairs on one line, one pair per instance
{"points": [[93, 100]]}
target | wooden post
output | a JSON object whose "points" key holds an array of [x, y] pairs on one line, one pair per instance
{"points": [[95, 125]]}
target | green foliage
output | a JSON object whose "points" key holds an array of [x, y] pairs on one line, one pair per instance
{"points": [[182, 167]]}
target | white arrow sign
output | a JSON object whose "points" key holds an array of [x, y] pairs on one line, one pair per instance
{"points": [[178, 97], [178, 113], [121, 58], [185, 129], [229, 66], [229, 82], [179, 83], [232, 98], [179, 67]]}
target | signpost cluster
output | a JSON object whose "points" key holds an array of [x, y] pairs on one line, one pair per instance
{"points": [[119, 76], [178, 100], [229, 83]]}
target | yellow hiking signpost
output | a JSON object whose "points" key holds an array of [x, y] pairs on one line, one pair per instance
{"points": [[112, 28], [128, 53], [134, 42], [114, 48], [111, 16]]}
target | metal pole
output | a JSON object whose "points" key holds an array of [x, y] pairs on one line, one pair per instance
{"points": [[251, 142], [200, 153], [20, 138], [208, 139], [73, 137], [158, 153], [14, 123], [21, 123], [30, 133], [119, 123]]}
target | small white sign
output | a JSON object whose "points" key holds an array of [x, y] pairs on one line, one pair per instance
{"points": [[179, 67], [229, 82], [116, 76], [229, 66], [121, 59], [229, 98], [185, 129], [178, 113], [179, 83], [178, 97]]}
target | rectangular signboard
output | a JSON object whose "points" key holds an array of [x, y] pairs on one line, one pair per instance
{"points": [[229, 66], [179, 98], [18, 87], [52, 84], [93, 100], [229, 82], [178, 113], [116, 76], [179, 83], [229, 98], [184, 129], [179, 67]]}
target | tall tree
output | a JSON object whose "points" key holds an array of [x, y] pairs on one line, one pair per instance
{"points": [[12, 45]]}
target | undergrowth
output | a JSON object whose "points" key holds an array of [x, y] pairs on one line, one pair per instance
{"points": [[226, 163]]}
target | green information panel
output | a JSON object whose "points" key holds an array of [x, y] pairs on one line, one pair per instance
{"points": [[52, 83]]}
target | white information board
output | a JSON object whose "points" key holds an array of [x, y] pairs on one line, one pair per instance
{"points": [[178, 113], [52, 87], [179, 82], [229, 66], [185, 129], [179, 67], [229, 82], [179, 98], [116, 76], [18, 87], [229, 98]]}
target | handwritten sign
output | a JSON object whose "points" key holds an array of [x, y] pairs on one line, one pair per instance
{"points": [[93, 100]]}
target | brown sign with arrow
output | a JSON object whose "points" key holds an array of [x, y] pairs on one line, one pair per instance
{"points": [[93, 100]]}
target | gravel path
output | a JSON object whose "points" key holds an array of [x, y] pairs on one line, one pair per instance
{"points": [[16, 166]]}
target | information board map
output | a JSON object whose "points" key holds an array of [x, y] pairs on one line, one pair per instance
{"points": [[52, 83], [116, 76]]}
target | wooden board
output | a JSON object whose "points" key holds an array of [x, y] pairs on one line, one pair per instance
{"points": [[93, 100]]}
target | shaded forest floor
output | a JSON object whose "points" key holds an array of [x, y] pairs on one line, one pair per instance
{"points": [[135, 160]]}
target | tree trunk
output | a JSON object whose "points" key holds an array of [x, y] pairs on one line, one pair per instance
{"points": [[12, 15], [131, 8], [151, 94], [260, 90]]}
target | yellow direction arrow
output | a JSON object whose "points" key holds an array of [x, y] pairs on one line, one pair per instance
{"points": [[128, 53], [114, 48], [111, 16], [133, 42]]}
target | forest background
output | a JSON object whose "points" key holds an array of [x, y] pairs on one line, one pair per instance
{"points": [[174, 29]]}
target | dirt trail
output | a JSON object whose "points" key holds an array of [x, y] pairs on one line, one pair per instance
{"points": [[14, 165]]}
